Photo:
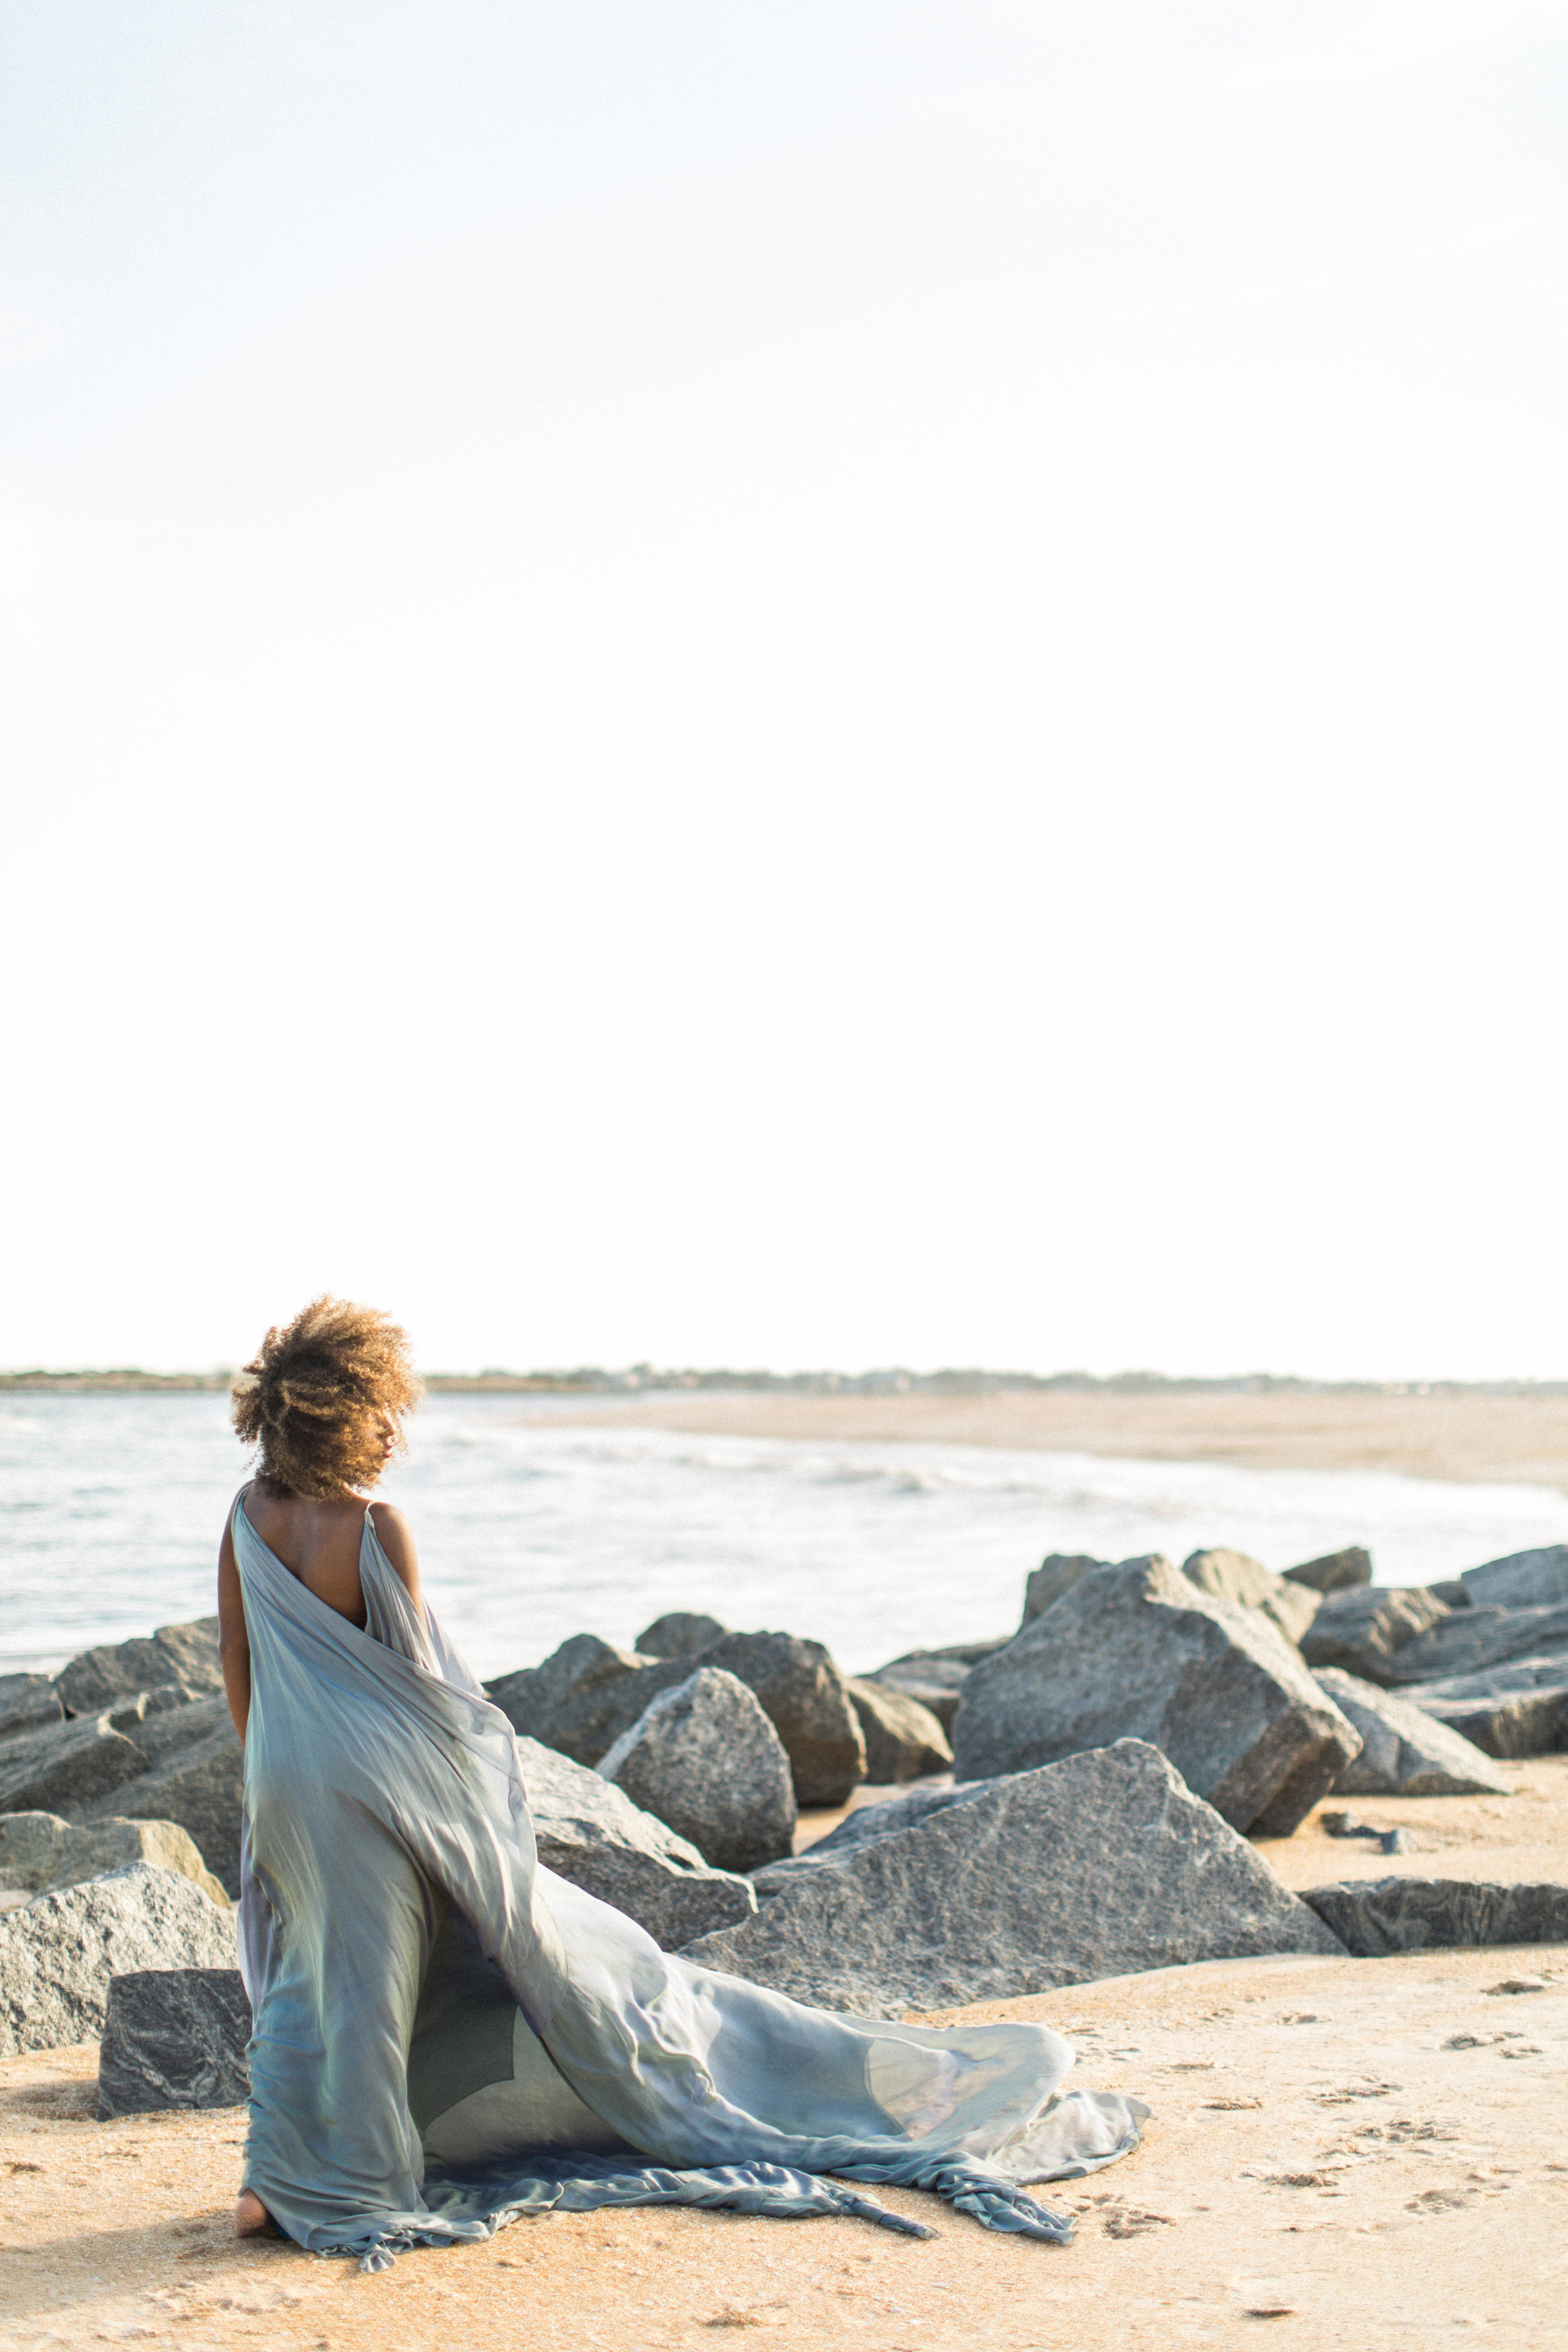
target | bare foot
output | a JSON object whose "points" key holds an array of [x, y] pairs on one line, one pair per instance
{"points": [[250, 2215]]}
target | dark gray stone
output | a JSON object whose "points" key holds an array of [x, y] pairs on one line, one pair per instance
{"points": [[904, 1739], [1364, 1629], [1525, 1579], [1375, 1916], [1097, 1866], [1056, 1574], [583, 1696], [174, 1653], [66, 1766], [590, 1832], [679, 1633], [58, 1952], [27, 1702], [173, 2038], [1404, 1752], [195, 1774], [936, 1677], [704, 1758], [1236, 1576], [863, 1827], [808, 1699], [1451, 1590], [1139, 1652], [1520, 1709], [1471, 1641], [1336, 1571]]}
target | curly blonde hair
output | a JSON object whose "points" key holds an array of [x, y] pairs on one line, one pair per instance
{"points": [[320, 1394]]}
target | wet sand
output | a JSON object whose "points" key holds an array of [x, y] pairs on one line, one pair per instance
{"points": [[1464, 1437], [1367, 2153]]}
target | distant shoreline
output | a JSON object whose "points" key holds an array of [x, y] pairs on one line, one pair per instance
{"points": [[643, 1380]]}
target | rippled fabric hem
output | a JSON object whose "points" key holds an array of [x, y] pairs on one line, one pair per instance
{"points": [[473, 2207]]}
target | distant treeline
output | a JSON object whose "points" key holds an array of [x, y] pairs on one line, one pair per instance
{"points": [[592, 1380]]}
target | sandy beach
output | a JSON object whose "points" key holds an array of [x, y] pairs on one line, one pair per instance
{"points": [[1465, 1436], [1359, 2152]]}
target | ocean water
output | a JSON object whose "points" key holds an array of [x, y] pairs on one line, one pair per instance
{"points": [[112, 1508]]}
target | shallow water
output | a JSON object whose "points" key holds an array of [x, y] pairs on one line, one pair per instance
{"points": [[111, 1507]]}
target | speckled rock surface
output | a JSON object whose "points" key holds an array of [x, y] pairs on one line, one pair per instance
{"points": [[1473, 1641], [1236, 1576], [173, 2038], [1138, 1652], [1362, 1630], [42, 1853], [1404, 1752], [679, 1633], [1525, 1579], [64, 1766], [1520, 1709], [904, 1738], [1093, 1868], [174, 1653], [705, 1760], [1372, 1916], [1335, 1572], [590, 1832], [192, 1773], [27, 1702], [58, 1952]]}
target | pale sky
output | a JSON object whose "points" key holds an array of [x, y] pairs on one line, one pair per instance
{"points": [[787, 682]]}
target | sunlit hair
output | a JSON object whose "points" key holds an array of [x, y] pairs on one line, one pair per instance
{"points": [[319, 1395]]}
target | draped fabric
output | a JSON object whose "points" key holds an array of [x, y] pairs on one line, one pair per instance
{"points": [[446, 2034]]}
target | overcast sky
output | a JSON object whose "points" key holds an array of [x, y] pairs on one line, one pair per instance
{"points": [[786, 681]]}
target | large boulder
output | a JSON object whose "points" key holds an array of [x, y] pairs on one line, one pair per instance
{"points": [[1525, 1579], [173, 2038], [1375, 1916], [186, 1654], [1056, 1574], [583, 1696], [1236, 1576], [1139, 1652], [1404, 1753], [679, 1633], [64, 1766], [590, 1832], [27, 1702], [1097, 1866], [1520, 1709], [58, 1952], [864, 1826], [806, 1698], [40, 1852], [936, 1677], [193, 1774], [1363, 1629], [1471, 1641], [904, 1739], [704, 1758], [1335, 1572]]}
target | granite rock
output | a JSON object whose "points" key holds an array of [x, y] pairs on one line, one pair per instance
{"points": [[58, 1952], [1336, 1571], [1404, 1752], [1140, 1651], [1363, 1629], [583, 1696], [27, 1702], [1472, 1640], [679, 1633], [808, 1699], [936, 1677], [173, 2038], [904, 1739], [118, 1670], [1525, 1579], [193, 1775], [590, 1832], [1236, 1576], [1056, 1574], [1375, 1916], [1520, 1709], [705, 1760], [864, 1826], [65, 1766], [1099, 1865], [41, 1852]]}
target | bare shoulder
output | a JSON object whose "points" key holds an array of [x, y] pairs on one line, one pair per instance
{"points": [[395, 1537]]}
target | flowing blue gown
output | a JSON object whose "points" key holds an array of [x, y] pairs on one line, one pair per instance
{"points": [[446, 2034]]}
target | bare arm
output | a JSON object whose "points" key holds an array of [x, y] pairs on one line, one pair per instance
{"points": [[233, 1641], [395, 1537]]}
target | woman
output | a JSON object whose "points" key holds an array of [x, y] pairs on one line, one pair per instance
{"points": [[446, 2033]]}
